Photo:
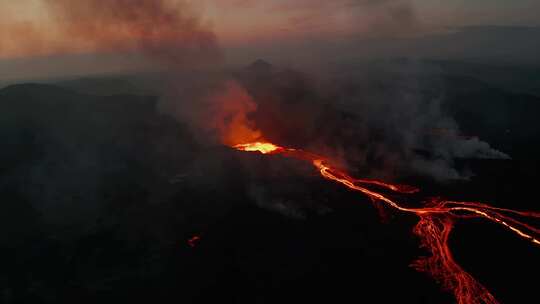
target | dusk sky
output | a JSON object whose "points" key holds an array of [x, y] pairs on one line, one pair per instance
{"points": [[269, 151], [30, 28]]}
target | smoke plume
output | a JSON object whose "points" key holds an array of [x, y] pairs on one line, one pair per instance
{"points": [[168, 33], [377, 122], [228, 111], [382, 119]]}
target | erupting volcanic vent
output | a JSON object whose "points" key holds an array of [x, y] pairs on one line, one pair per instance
{"points": [[263, 147], [436, 222]]}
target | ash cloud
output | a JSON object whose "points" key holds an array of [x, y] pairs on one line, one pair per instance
{"points": [[384, 119], [174, 39], [169, 34], [364, 18]]}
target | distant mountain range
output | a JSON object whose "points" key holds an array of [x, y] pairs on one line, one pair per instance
{"points": [[492, 45]]}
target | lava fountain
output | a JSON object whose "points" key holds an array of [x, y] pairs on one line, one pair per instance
{"points": [[263, 147], [434, 227]]}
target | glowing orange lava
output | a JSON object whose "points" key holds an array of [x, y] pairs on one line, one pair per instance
{"points": [[436, 222], [263, 147]]}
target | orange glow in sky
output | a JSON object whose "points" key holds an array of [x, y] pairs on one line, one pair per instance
{"points": [[27, 27]]}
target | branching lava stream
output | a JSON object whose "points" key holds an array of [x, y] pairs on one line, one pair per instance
{"points": [[436, 222]]}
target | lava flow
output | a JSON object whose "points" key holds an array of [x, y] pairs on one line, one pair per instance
{"points": [[263, 147], [192, 242], [436, 222]]}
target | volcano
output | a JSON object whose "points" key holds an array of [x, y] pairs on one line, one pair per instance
{"points": [[109, 197]]}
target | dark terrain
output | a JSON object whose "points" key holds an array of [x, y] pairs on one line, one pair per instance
{"points": [[100, 193]]}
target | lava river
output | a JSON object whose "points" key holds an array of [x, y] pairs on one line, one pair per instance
{"points": [[436, 221]]}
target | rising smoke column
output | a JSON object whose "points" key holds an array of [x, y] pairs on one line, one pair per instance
{"points": [[167, 33], [172, 37]]}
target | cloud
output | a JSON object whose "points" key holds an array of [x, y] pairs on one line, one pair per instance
{"points": [[366, 18], [385, 120], [169, 33]]}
